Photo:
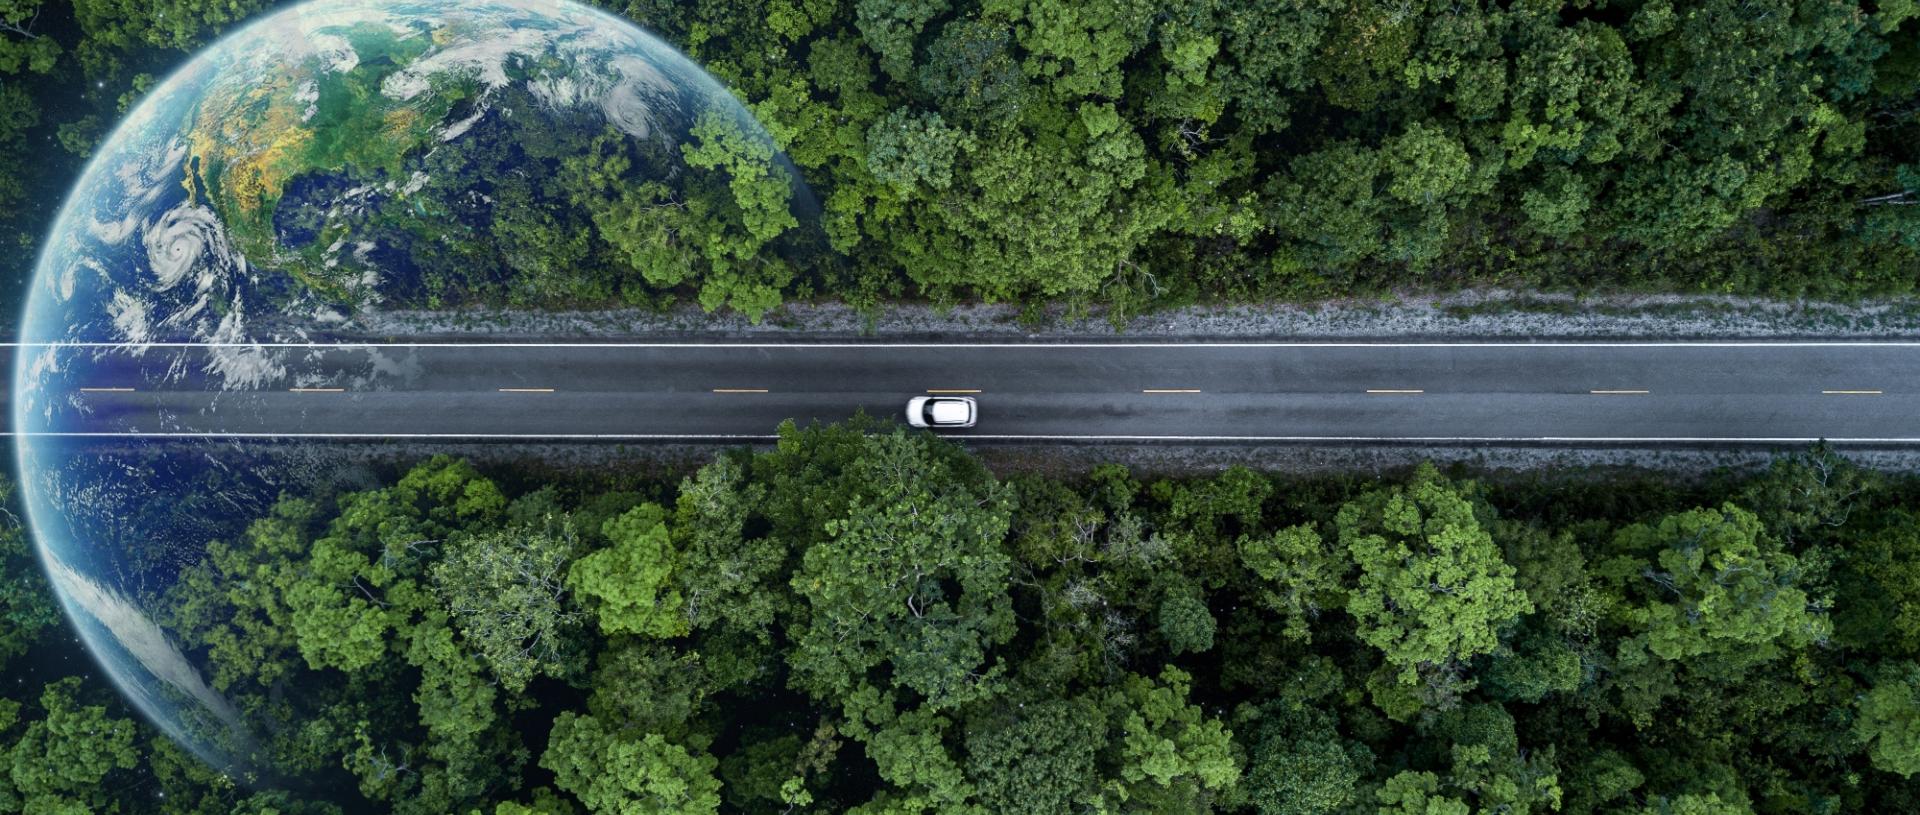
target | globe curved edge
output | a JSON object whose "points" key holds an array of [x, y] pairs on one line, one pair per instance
{"points": [[101, 617]]}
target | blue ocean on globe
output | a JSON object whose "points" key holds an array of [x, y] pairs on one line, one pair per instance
{"points": [[319, 165]]}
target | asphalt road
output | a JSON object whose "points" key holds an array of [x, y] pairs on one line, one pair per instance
{"points": [[1646, 393]]}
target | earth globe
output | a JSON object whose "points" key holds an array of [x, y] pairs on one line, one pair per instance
{"points": [[324, 163]]}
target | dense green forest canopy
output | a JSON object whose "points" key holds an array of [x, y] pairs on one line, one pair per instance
{"points": [[865, 620], [868, 621], [1133, 153]]}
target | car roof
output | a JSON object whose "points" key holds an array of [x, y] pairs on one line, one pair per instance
{"points": [[951, 410]]}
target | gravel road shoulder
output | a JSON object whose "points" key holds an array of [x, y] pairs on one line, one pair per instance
{"points": [[1483, 314]]}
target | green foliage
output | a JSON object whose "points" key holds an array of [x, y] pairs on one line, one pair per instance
{"points": [[1432, 588], [1488, 767], [909, 150], [629, 775], [1417, 793], [1717, 587], [1883, 573], [864, 620], [1171, 757], [25, 49], [27, 610], [910, 577], [889, 29], [760, 187], [1300, 576], [971, 70], [1037, 757], [1537, 664], [630, 580], [61, 760], [1134, 155], [1185, 621], [507, 594], [180, 24], [1709, 804], [707, 230], [1888, 720], [1299, 766]]}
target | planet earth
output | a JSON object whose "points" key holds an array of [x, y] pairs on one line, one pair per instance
{"points": [[321, 165]]}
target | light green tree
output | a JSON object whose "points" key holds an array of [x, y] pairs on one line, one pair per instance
{"points": [[62, 759], [629, 584], [1719, 592], [1165, 754], [1298, 576], [1077, 48], [909, 750], [1417, 793], [619, 773], [1432, 588]]}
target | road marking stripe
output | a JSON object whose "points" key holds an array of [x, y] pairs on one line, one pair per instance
{"points": [[317, 390], [1852, 393], [526, 390], [1394, 390], [953, 390], [740, 390], [106, 390], [1170, 390], [1618, 392]]}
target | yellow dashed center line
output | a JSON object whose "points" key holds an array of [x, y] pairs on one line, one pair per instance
{"points": [[526, 390], [1395, 390], [739, 390], [1170, 390], [1618, 392], [1852, 393]]}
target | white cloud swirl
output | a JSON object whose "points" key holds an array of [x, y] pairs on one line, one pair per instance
{"points": [[186, 239]]}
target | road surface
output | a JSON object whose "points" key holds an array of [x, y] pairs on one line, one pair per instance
{"points": [[1568, 393]]}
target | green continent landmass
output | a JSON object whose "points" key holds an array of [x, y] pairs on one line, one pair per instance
{"points": [[251, 146]]}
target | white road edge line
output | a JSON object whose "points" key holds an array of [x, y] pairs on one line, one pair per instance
{"points": [[1019, 345], [170, 434], [988, 437]]}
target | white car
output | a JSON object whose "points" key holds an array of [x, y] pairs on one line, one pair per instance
{"points": [[941, 411]]}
